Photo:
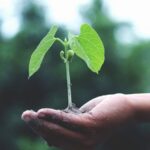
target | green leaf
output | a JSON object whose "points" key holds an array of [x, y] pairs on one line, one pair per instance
{"points": [[89, 47], [39, 53]]}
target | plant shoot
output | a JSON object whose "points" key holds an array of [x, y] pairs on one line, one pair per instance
{"points": [[87, 46]]}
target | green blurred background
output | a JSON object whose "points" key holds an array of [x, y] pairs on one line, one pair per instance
{"points": [[126, 70]]}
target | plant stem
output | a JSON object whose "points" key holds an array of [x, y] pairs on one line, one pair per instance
{"points": [[65, 44], [68, 79], [68, 85]]}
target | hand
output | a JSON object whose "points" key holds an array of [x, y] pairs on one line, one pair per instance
{"points": [[100, 118]]}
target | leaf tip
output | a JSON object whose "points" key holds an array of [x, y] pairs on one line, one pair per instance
{"points": [[29, 76], [97, 72]]}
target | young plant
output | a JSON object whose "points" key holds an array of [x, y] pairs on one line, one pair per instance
{"points": [[87, 46]]}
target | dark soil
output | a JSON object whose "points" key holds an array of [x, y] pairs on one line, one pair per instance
{"points": [[73, 110]]}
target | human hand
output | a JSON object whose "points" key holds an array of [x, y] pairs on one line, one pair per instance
{"points": [[100, 118]]}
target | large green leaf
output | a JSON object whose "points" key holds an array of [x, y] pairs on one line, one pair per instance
{"points": [[89, 47], [39, 53]]}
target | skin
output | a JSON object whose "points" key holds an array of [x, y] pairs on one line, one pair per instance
{"points": [[101, 117]]}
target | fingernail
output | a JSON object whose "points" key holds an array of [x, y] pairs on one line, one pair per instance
{"points": [[26, 118]]}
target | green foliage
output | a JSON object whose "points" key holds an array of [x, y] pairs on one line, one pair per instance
{"points": [[89, 47], [41, 50]]}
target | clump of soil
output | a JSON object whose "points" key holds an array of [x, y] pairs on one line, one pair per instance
{"points": [[73, 109]]}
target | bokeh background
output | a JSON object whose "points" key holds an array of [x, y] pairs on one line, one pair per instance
{"points": [[126, 70]]}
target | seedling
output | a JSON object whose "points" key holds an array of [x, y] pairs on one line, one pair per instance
{"points": [[87, 46]]}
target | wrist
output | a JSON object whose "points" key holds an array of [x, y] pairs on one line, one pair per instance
{"points": [[140, 104]]}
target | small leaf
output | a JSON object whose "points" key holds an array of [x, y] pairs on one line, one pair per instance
{"points": [[89, 47], [39, 53]]}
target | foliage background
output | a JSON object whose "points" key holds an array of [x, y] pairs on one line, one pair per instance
{"points": [[126, 70]]}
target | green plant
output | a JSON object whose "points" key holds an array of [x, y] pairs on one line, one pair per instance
{"points": [[87, 46]]}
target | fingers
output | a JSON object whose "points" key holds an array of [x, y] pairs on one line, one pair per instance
{"points": [[59, 136], [30, 117], [27, 115], [92, 103], [54, 134], [76, 122]]}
